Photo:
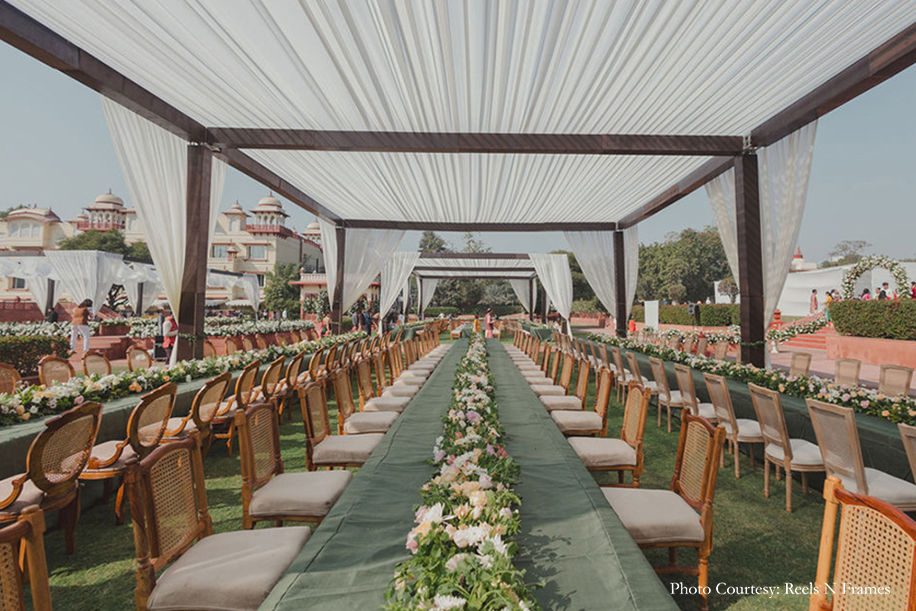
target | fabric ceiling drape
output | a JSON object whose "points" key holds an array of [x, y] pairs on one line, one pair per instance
{"points": [[522, 290], [631, 269], [428, 288], [785, 168], [86, 274], [721, 193], [594, 251], [554, 273], [394, 276]]}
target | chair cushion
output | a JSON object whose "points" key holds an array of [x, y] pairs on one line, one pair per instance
{"points": [[105, 451], [408, 381], [400, 391], [748, 430], [345, 449], [305, 494], [29, 494], [539, 380], [651, 386], [708, 411], [884, 486], [803, 453], [422, 374], [655, 516], [576, 422], [394, 404], [369, 422], [675, 398], [548, 390], [566, 402], [599, 452], [233, 571]]}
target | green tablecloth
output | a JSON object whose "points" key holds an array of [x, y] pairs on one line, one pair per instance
{"points": [[542, 333], [571, 537]]}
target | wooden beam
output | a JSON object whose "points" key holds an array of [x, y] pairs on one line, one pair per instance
{"points": [[680, 189], [620, 285], [472, 276], [190, 315], [248, 166], [440, 142], [892, 57], [750, 260], [474, 255], [436, 268], [477, 227]]}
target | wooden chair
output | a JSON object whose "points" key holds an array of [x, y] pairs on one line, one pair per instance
{"points": [[876, 547], [895, 380], [637, 376], [9, 379], [688, 345], [702, 345], [286, 388], [26, 538], [838, 439], [847, 372], [383, 375], [682, 516], [588, 422], [368, 400], [56, 458], [624, 377], [575, 401], [270, 381], [684, 376], [351, 422], [800, 364], [561, 387], [260, 342], [54, 370], [232, 345], [721, 350], [791, 454], [667, 398], [172, 526], [244, 392], [267, 492], [145, 429], [247, 344], [96, 363], [203, 409], [138, 359], [737, 430], [326, 450], [209, 349], [674, 341]]}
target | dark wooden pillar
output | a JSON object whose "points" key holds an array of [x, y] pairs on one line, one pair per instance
{"points": [[194, 280], [620, 285], [533, 296], [545, 308], [750, 260], [419, 299], [49, 301], [337, 305], [139, 304]]}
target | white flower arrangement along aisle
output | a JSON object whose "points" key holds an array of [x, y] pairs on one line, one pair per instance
{"points": [[461, 557]]}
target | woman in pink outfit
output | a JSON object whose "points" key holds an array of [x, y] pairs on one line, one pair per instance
{"points": [[488, 323]]}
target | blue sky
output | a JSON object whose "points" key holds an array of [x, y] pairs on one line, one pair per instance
{"points": [[55, 151]]}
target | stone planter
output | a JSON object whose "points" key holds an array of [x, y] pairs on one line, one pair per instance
{"points": [[113, 330], [145, 343], [871, 350]]}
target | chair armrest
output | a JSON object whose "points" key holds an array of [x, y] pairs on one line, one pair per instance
{"points": [[101, 464], [18, 483]]}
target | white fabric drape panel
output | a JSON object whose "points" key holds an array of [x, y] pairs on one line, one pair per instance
{"points": [[429, 289], [133, 277], [785, 168], [329, 250], [594, 251], [247, 282], [86, 274], [631, 265], [721, 193], [217, 182], [522, 290], [366, 252], [555, 275], [395, 275], [36, 271]]}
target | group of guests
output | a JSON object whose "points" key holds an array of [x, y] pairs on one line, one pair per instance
{"points": [[885, 292], [882, 293]]}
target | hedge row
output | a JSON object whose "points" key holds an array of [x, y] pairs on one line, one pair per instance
{"points": [[711, 315], [892, 319], [24, 352]]}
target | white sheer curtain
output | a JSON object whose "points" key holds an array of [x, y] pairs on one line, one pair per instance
{"points": [[395, 275], [138, 275], [86, 274], [631, 270], [721, 193], [785, 168], [553, 270], [594, 251], [329, 250], [36, 271], [522, 290], [428, 288]]}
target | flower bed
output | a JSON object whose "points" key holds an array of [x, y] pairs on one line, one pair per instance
{"points": [[864, 400], [801, 327], [459, 558], [38, 401]]}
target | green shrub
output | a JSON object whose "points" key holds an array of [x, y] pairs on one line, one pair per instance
{"points": [[24, 352], [892, 319], [711, 315]]}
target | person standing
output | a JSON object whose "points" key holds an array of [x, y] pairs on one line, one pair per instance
{"points": [[367, 322], [51, 315], [883, 292], [79, 324], [913, 290], [325, 326], [813, 303], [169, 334], [488, 323]]}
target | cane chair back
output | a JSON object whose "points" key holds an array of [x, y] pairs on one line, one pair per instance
{"points": [[96, 363], [9, 379], [838, 439], [634, 417], [618, 363], [685, 384], [847, 372], [330, 359], [661, 377], [702, 344], [721, 399], [634, 368], [566, 373], [771, 418], [244, 385], [315, 418], [895, 380], [260, 342], [593, 349], [343, 392], [138, 359], [209, 349], [603, 395], [207, 401], [602, 350], [259, 444], [271, 377], [688, 344], [908, 436], [61, 451], [247, 344], [149, 420], [800, 364], [378, 363], [876, 545], [364, 382], [232, 345], [315, 364], [674, 341], [168, 503], [721, 350], [292, 371], [26, 535], [697, 465], [54, 370]]}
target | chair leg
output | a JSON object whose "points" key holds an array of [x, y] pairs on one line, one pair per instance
{"points": [[736, 450], [788, 489], [119, 503], [68, 517], [776, 465], [804, 482], [659, 412], [703, 579], [766, 478], [669, 417], [751, 454], [229, 435]]}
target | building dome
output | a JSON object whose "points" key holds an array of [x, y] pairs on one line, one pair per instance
{"points": [[270, 205], [108, 200], [313, 227], [270, 201]]}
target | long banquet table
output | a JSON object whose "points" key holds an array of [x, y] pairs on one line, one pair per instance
{"points": [[571, 538]]}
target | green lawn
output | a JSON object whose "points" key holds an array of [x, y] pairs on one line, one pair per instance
{"points": [[756, 542]]}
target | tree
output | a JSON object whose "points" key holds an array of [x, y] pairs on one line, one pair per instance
{"points": [[729, 288], [846, 252], [5, 213], [279, 294], [111, 241], [431, 241], [140, 252], [683, 267]]}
